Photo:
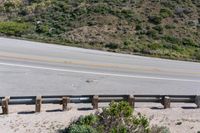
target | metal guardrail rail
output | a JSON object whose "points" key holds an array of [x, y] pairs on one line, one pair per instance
{"points": [[165, 100]]}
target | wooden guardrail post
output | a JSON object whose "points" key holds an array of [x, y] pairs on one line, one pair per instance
{"points": [[197, 101], [166, 102], [95, 100], [38, 104], [5, 102], [131, 100], [65, 101]]}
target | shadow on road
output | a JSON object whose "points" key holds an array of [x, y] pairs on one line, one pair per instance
{"points": [[26, 112]]}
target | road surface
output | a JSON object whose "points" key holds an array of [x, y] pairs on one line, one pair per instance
{"points": [[32, 68]]}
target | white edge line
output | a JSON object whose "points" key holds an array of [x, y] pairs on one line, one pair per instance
{"points": [[98, 73]]}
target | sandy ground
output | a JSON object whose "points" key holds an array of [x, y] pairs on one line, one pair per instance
{"points": [[22, 119]]}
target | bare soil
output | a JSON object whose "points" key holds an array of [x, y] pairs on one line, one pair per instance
{"points": [[52, 119]]}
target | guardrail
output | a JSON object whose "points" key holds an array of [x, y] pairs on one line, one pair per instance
{"points": [[165, 100]]}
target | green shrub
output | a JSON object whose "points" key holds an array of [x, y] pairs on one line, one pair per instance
{"points": [[155, 46], [168, 3], [121, 109], [188, 42], [159, 28], [196, 54], [170, 26], [138, 27], [117, 118], [127, 14], [80, 129], [172, 39], [42, 28], [153, 34], [100, 8], [112, 45], [87, 120], [155, 19], [172, 46], [14, 28], [165, 13], [9, 6], [127, 42]]}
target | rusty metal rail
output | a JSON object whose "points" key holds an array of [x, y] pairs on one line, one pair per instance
{"points": [[165, 100]]}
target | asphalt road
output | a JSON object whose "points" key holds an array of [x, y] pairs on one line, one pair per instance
{"points": [[32, 68]]}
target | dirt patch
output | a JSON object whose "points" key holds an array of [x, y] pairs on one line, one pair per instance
{"points": [[22, 119]]}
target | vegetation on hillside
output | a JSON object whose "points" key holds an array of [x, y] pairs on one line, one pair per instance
{"points": [[117, 118], [161, 28]]}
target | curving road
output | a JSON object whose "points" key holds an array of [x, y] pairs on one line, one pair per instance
{"points": [[32, 68]]}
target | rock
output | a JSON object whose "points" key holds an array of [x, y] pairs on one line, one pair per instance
{"points": [[179, 11], [90, 81], [193, 22], [179, 123], [187, 10]]}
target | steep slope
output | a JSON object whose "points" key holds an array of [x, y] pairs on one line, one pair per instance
{"points": [[162, 28]]}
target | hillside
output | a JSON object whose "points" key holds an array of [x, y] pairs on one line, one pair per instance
{"points": [[160, 28]]}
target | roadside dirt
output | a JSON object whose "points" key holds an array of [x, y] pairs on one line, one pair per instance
{"points": [[22, 118]]}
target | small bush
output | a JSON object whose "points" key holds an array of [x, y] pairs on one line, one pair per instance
{"points": [[197, 54], [168, 3], [121, 109], [155, 46], [138, 27], [80, 129], [153, 34], [127, 42], [127, 14], [170, 26], [42, 28], [87, 120], [172, 39], [155, 19], [100, 8], [112, 45], [188, 42], [165, 13], [172, 46], [159, 28]]}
